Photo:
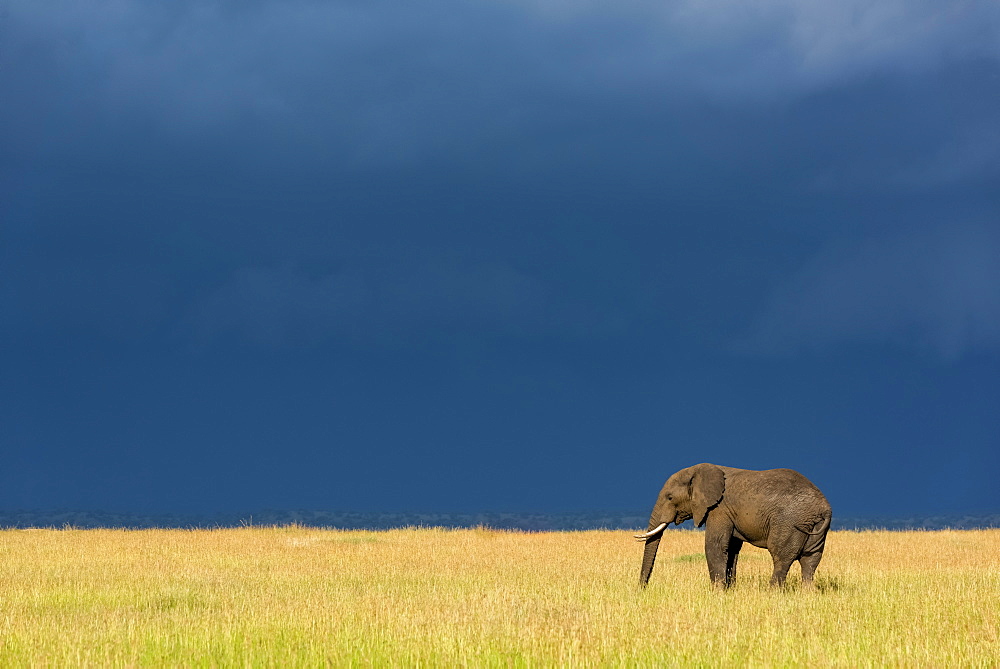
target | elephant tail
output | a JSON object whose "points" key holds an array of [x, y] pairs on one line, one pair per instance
{"points": [[817, 533]]}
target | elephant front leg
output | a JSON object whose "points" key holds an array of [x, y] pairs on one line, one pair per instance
{"points": [[717, 567], [717, 544]]}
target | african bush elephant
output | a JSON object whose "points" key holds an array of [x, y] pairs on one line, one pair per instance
{"points": [[776, 509]]}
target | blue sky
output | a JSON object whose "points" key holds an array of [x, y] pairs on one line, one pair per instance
{"points": [[527, 255]]}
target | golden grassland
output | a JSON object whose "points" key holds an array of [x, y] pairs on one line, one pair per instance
{"points": [[296, 596]]}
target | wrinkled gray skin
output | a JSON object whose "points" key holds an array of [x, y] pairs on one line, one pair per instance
{"points": [[776, 509]]}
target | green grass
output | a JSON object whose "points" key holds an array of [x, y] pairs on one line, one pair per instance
{"points": [[430, 597]]}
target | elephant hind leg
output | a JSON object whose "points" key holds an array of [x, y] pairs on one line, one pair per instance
{"points": [[733, 554], [809, 563], [781, 566], [785, 548]]}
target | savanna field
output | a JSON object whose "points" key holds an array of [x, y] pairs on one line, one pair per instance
{"points": [[295, 596]]}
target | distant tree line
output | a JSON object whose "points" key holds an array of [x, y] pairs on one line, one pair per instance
{"points": [[529, 522]]}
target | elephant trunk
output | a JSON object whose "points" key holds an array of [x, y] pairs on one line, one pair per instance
{"points": [[652, 537], [648, 558]]}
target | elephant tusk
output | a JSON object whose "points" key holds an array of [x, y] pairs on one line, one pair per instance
{"points": [[655, 530]]}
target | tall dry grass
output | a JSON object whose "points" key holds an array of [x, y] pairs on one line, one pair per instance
{"points": [[430, 597]]}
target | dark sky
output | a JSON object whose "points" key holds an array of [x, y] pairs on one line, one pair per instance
{"points": [[459, 255]]}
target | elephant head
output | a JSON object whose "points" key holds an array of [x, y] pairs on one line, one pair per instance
{"points": [[689, 493]]}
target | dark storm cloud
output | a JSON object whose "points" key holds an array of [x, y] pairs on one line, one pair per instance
{"points": [[272, 307], [386, 83], [385, 254], [174, 166], [936, 290]]}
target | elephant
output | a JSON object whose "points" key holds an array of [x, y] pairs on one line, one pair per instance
{"points": [[777, 509]]}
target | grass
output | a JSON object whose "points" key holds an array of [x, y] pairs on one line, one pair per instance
{"points": [[297, 596]]}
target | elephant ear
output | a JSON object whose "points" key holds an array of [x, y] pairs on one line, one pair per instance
{"points": [[708, 482]]}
